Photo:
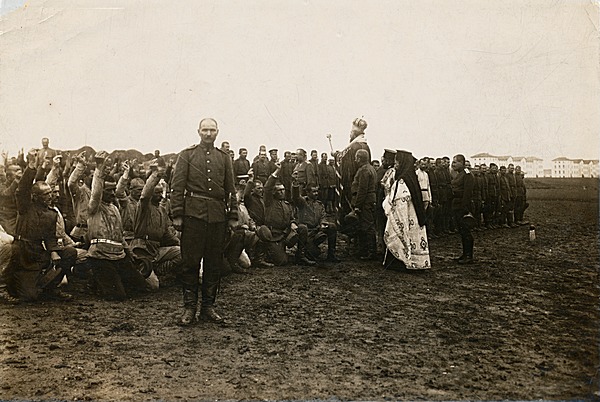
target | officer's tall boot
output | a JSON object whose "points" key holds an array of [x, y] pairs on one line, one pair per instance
{"points": [[210, 287], [190, 304]]}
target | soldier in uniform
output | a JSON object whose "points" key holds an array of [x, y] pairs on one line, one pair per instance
{"points": [[261, 168], [435, 201], [512, 181], [477, 194], [281, 230], [241, 165], [287, 168], [80, 196], [8, 200], [445, 192], [520, 192], [490, 215], [203, 203], [505, 197], [313, 218], [423, 177], [462, 195], [128, 204], [36, 244], [108, 257], [155, 246], [364, 193]]}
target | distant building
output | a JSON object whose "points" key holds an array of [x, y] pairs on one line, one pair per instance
{"points": [[547, 172], [565, 167], [531, 165]]}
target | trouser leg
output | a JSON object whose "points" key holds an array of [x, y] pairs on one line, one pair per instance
{"points": [[106, 278], [213, 262]]}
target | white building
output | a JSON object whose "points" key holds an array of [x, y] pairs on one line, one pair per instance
{"points": [[531, 165], [565, 167]]}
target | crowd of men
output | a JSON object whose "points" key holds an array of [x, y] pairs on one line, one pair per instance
{"points": [[127, 226]]}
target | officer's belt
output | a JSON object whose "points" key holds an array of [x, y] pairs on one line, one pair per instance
{"points": [[106, 241], [199, 196]]}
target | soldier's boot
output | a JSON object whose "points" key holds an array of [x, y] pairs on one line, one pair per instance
{"points": [[190, 304], [511, 219], [468, 257], [463, 255], [260, 257], [301, 258], [207, 311]]}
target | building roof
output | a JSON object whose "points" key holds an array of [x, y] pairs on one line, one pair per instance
{"points": [[585, 161], [505, 157], [482, 155]]}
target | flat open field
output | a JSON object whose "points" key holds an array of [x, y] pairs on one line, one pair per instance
{"points": [[521, 323]]}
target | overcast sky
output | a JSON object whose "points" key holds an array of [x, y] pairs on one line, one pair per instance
{"points": [[510, 77]]}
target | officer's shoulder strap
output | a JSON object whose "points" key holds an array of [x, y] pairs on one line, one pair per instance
{"points": [[191, 147]]}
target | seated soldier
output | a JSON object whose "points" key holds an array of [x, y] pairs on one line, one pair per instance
{"points": [[108, 256], [243, 238], [155, 248], [280, 229], [312, 215], [128, 204], [38, 264], [255, 205]]}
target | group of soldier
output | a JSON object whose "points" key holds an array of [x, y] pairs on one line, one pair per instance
{"points": [[127, 229], [499, 196]]}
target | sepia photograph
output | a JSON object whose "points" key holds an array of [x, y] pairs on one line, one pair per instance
{"points": [[324, 200]]}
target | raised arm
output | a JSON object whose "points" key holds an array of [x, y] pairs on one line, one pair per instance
{"points": [[98, 182]]}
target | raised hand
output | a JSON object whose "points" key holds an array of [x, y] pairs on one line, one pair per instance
{"points": [[32, 158], [81, 157]]}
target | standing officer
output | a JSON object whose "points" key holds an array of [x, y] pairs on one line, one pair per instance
{"points": [[462, 194], [203, 203]]}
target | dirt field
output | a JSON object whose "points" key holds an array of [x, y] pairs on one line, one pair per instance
{"points": [[520, 323]]}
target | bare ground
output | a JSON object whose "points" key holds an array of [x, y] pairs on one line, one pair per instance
{"points": [[520, 323]]}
